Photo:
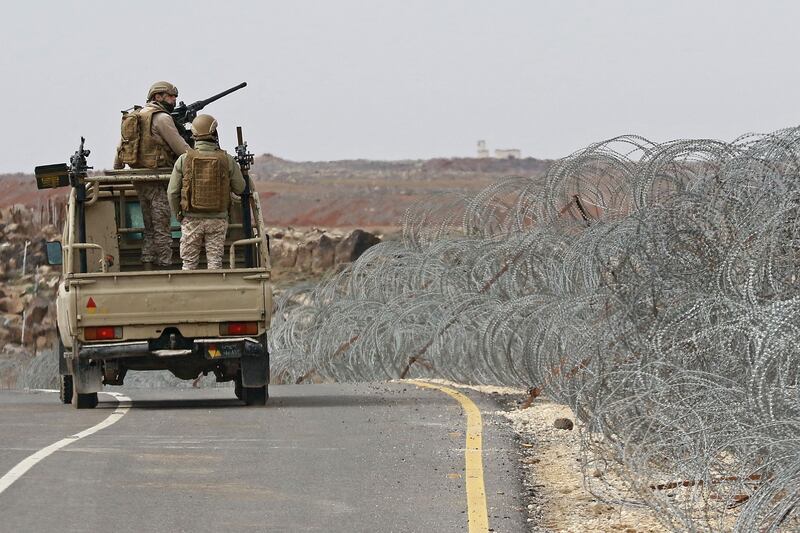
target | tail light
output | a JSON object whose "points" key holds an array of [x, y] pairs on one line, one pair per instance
{"points": [[238, 328], [103, 333]]}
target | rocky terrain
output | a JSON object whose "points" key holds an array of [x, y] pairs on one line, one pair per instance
{"points": [[27, 291], [301, 255], [336, 194]]}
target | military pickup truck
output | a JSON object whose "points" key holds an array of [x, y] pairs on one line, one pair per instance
{"points": [[114, 316]]}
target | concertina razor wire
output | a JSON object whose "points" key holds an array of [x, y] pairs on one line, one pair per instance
{"points": [[651, 287]]}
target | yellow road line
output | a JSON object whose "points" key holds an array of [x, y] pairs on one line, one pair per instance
{"points": [[476, 493]]}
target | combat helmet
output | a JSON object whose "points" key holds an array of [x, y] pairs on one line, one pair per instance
{"points": [[161, 87], [204, 127]]}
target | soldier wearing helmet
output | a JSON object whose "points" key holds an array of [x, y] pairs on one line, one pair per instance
{"points": [[150, 139], [199, 194], [157, 143]]}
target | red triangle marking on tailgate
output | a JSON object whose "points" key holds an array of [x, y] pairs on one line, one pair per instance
{"points": [[91, 303]]}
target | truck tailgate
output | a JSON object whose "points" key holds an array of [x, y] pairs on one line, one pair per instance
{"points": [[159, 297]]}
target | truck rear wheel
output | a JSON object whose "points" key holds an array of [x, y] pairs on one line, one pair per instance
{"points": [[65, 390], [250, 395], [85, 401], [255, 395]]}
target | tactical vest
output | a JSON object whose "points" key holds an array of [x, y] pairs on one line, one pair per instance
{"points": [[206, 185], [139, 148]]}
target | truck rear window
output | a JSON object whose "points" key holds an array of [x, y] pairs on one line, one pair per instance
{"points": [[133, 219]]}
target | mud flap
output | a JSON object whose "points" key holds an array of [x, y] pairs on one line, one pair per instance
{"points": [[86, 378], [63, 368], [255, 371]]}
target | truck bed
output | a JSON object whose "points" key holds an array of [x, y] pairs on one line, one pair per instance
{"points": [[143, 304]]}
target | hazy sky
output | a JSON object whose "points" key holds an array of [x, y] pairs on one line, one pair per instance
{"points": [[396, 80]]}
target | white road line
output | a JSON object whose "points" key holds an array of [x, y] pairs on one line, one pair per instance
{"points": [[29, 462]]}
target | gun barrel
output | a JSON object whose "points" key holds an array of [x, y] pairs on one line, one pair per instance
{"points": [[216, 97]]}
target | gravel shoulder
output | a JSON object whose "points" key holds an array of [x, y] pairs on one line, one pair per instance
{"points": [[552, 480]]}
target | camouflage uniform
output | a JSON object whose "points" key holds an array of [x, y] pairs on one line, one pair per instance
{"points": [[160, 145], [199, 229], [157, 242]]}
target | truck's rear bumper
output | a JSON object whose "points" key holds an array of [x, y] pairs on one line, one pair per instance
{"points": [[210, 348]]}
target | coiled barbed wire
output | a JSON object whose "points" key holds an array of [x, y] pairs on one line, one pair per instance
{"points": [[651, 287]]}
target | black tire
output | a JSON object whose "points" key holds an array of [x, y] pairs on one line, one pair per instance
{"points": [[62, 362], [85, 401], [65, 390], [256, 396]]}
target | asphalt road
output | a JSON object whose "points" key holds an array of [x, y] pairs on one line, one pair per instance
{"points": [[368, 457]]}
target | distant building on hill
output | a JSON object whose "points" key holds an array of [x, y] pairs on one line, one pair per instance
{"points": [[511, 153], [483, 152]]}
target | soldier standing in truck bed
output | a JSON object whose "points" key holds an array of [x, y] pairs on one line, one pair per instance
{"points": [[150, 139], [199, 194]]}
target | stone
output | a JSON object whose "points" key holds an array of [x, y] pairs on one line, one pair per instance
{"points": [[323, 254], [11, 305], [317, 250], [50, 233], [294, 234], [563, 423], [37, 311], [41, 342], [355, 244], [15, 352], [303, 262], [283, 254]]}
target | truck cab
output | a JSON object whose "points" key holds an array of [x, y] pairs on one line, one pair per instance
{"points": [[115, 316]]}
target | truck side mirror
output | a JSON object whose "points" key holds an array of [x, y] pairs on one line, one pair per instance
{"points": [[54, 254]]}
